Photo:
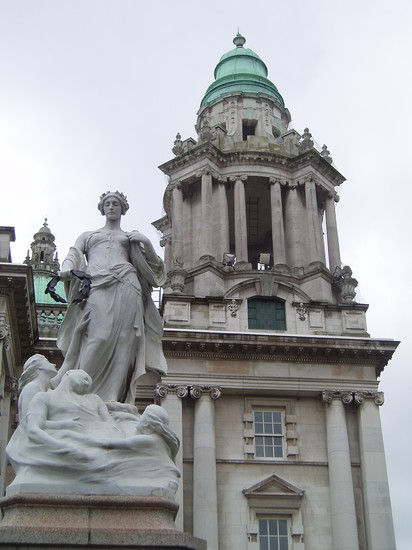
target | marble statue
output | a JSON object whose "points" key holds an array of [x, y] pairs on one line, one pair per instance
{"points": [[115, 333], [67, 441], [36, 376]]}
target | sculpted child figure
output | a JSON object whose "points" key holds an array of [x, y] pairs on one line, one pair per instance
{"points": [[67, 442], [115, 334]]}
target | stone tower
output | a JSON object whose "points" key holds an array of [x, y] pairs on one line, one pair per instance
{"points": [[272, 380], [44, 261]]}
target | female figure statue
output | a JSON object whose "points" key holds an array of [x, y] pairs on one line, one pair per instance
{"points": [[115, 334]]}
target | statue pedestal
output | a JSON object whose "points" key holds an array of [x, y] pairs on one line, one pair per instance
{"points": [[91, 521]]}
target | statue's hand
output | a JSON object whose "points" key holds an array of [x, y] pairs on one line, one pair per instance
{"points": [[137, 237], [75, 453], [65, 275]]}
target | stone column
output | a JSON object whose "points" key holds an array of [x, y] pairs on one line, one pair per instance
{"points": [[343, 511], [375, 488], [205, 524], [278, 233], [321, 235], [295, 228], [222, 236], [170, 397], [240, 219], [166, 242], [206, 228], [178, 275], [332, 233], [8, 394], [314, 241], [177, 224]]}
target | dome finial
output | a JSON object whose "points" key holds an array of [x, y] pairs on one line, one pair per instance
{"points": [[239, 40]]}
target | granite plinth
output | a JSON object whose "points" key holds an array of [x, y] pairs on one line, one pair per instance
{"points": [[91, 521]]}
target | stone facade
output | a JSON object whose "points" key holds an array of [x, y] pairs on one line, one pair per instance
{"points": [[272, 382]]}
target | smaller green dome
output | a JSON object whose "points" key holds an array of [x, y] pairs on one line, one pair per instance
{"points": [[240, 71]]}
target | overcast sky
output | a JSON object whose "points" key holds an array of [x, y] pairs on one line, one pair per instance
{"points": [[92, 94]]}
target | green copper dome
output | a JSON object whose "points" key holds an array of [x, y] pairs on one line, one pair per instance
{"points": [[240, 70]]}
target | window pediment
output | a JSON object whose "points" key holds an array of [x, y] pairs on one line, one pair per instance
{"points": [[274, 490]]}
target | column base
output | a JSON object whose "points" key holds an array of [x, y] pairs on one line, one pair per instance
{"points": [[71, 521]]}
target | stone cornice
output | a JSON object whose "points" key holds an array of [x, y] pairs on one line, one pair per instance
{"points": [[283, 275], [249, 158], [269, 385], [277, 347]]}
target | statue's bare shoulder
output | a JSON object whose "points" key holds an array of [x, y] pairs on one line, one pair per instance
{"points": [[82, 240]]}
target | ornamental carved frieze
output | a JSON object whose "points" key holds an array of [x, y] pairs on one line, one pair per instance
{"points": [[197, 391]]}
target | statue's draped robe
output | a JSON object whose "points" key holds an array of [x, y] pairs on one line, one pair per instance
{"points": [[115, 335]]}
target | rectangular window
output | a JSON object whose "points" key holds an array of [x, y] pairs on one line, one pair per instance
{"points": [[266, 314], [269, 434], [273, 534], [249, 128]]}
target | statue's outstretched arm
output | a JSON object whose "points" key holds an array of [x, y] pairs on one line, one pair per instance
{"points": [[36, 420]]}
